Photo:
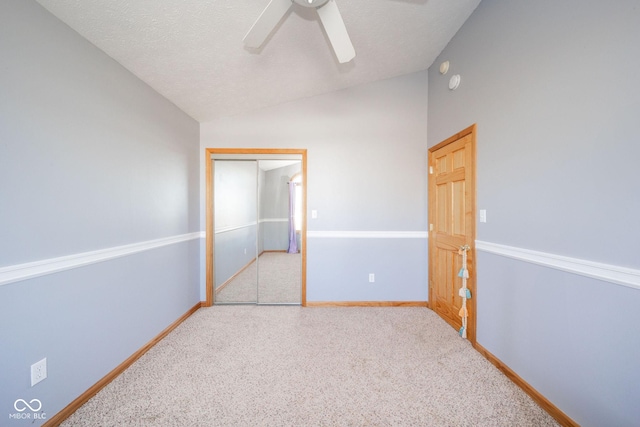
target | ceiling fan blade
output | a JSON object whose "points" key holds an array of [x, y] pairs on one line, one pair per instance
{"points": [[266, 22], [337, 32]]}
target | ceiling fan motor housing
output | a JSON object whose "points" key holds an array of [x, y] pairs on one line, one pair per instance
{"points": [[328, 14], [310, 3]]}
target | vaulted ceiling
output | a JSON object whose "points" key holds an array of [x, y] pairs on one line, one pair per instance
{"points": [[191, 51]]}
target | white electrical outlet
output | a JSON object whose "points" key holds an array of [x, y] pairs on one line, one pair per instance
{"points": [[372, 277], [38, 371]]}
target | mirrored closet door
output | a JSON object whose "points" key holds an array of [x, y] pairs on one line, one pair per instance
{"points": [[257, 223], [235, 205]]}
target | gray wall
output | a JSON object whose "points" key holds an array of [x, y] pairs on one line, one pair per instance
{"points": [[553, 89], [366, 172], [90, 158]]}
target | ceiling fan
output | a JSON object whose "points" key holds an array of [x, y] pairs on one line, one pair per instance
{"points": [[329, 16]]}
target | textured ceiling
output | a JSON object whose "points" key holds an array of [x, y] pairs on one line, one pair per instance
{"points": [[191, 51]]}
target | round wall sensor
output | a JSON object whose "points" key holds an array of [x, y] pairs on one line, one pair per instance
{"points": [[454, 82], [444, 67]]}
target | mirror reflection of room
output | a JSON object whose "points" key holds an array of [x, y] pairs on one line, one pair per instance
{"points": [[257, 221]]}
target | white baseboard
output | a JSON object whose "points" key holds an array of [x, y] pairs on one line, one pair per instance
{"points": [[368, 234], [610, 273], [29, 270], [250, 224]]}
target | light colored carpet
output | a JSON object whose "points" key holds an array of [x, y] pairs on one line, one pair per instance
{"points": [[279, 276], [294, 366]]}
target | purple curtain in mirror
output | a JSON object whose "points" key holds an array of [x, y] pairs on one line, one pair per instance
{"points": [[293, 244]]}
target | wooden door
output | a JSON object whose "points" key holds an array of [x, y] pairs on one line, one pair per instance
{"points": [[452, 225]]}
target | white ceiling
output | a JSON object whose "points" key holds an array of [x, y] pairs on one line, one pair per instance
{"points": [[191, 51]]}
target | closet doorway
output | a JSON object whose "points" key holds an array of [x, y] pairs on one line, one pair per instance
{"points": [[256, 226]]}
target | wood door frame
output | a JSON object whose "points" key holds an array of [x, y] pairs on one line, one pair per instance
{"points": [[471, 282], [209, 212]]}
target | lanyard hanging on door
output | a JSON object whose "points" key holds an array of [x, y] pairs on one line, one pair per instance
{"points": [[464, 292]]}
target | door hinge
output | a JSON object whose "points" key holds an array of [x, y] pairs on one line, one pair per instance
{"points": [[430, 170], [430, 227]]}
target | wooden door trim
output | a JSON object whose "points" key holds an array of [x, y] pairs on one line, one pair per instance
{"points": [[471, 283], [209, 212]]}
